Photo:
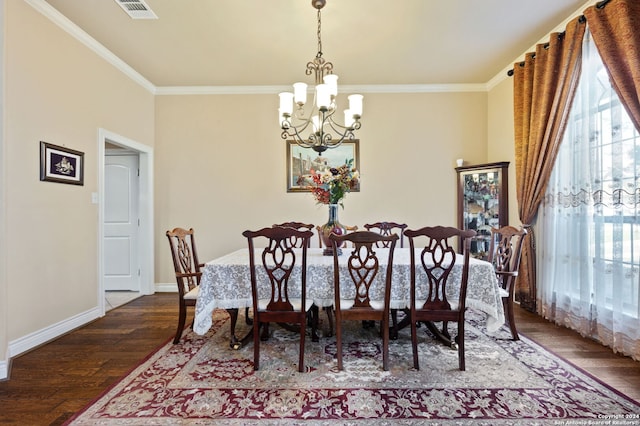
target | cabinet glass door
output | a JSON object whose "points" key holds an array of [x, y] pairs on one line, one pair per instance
{"points": [[482, 203]]}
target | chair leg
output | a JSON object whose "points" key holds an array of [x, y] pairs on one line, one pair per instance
{"points": [[384, 324], [460, 340], [339, 342], [301, 357], [182, 316], [256, 343], [508, 307], [414, 344]]}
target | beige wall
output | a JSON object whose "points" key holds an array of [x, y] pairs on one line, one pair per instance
{"points": [[501, 137], [220, 165], [58, 91]]}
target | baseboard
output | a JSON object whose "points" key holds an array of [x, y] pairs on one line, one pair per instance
{"points": [[30, 341], [4, 370], [47, 334], [166, 288]]}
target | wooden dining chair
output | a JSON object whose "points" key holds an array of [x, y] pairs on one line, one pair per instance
{"points": [[329, 309], [504, 253], [387, 228], [431, 270], [278, 261], [300, 226], [188, 272], [363, 265]]}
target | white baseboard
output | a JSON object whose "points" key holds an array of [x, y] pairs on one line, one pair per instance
{"points": [[166, 288], [4, 370], [30, 341]]}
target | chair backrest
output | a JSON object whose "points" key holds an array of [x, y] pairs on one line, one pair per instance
{"points": [[185, 259], [387, 228], [348, 229], [278, 260], [504, 253], [364, 264], [295, 242], [437, 260]]}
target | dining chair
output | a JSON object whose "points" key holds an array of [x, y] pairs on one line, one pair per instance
{"points": [[300, 226], [278, 261], [364, 265], [387, 228], [504, 253], [188, 272], [432, 271], [329, 309]]}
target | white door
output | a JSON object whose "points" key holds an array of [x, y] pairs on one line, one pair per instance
{"points": [[121, 223]]}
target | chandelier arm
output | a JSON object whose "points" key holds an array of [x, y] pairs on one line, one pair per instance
{"points": [[292, 132]]}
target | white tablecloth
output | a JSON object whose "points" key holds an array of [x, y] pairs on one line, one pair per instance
{"points": [[226, 283]]}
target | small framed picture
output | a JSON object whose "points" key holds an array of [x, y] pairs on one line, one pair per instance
{"points": [[60, 164], [302, 163]]}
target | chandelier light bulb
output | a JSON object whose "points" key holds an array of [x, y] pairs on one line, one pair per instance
{"points": [[323, 96], [331, 81], [300, 93], [355, 105], [348, 118], [286, 103]]}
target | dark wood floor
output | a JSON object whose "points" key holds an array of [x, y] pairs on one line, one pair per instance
{"points": [[49, 384]]}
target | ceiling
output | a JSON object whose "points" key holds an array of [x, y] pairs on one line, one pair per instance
{"points": [[370, 42]]}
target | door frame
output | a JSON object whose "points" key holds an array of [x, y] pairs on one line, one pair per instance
{"points": [[145, 198]]}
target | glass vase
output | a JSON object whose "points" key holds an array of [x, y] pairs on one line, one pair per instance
{"points": [[332, 226]]}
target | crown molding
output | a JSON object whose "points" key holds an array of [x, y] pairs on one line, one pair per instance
{"points": [[271, 90]]}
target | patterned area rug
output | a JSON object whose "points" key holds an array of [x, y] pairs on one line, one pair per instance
{"points": [[202, 381]]}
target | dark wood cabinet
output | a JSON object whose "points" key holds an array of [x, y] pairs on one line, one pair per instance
{"points": [[483, 202]]}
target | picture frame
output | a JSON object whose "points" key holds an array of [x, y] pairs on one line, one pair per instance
{"points": [[60, 164], [301, 161]]}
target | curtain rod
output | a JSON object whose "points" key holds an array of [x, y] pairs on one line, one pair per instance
{"points": [[582, 19]]}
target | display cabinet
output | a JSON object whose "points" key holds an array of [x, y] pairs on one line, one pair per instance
{"points": [[483, 202]]}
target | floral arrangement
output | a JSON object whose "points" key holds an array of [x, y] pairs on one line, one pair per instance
{"points": [[334, 183]]}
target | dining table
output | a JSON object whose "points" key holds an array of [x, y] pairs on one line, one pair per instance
{"points": [[226, 284]]}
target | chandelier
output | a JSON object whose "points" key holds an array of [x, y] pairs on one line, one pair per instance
{"points": [[319, 130]]}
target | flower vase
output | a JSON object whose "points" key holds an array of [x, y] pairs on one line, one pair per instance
{"points": [[332, 226]]}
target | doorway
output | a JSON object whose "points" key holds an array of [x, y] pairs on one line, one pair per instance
{"points": [[125, 200]]}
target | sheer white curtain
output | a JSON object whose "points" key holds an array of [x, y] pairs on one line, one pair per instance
{"points": [[589, 223]]}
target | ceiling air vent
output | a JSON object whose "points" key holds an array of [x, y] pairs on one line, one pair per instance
{"points": [[137, 9]]}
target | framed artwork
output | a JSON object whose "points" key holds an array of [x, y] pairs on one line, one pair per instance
{"points": [[302, 163], [60, 164]]}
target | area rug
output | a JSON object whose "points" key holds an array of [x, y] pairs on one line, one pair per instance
{"points": [[202, 381]]}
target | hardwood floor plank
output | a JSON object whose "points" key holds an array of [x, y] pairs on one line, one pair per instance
{"points": [[51, 383]]}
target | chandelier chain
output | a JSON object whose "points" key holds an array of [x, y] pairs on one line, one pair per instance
{"points": [[319, 35]]}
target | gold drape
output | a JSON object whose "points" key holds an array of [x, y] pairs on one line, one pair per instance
{"points": [[616, 33], [544, 87]]}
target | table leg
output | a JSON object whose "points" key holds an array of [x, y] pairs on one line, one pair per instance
{"points": [[442, 335], [236, 343]]}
